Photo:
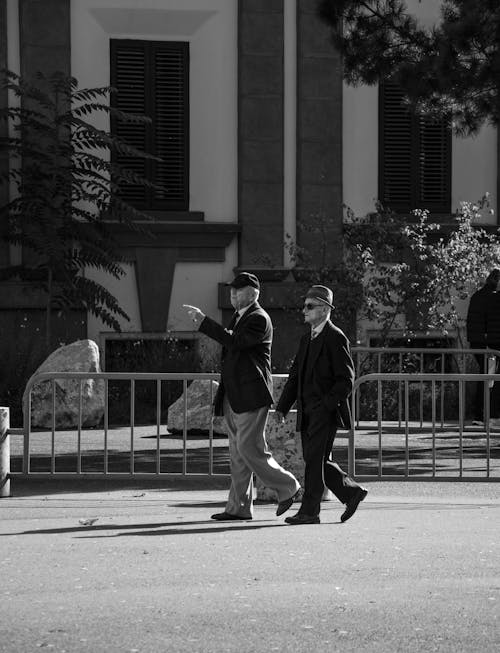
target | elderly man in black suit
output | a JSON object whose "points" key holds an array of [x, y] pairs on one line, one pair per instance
{"points": [[244, 397], [483, 331], [321, 380]]}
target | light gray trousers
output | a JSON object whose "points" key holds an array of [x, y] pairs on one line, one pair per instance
{"points": [[249, 453]]}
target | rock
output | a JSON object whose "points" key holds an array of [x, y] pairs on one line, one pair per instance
{"points": [[199, 409], [279, 381], [80, 356], [285, 445]]}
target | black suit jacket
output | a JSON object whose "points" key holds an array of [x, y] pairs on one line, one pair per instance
{"points": [[333, 376], [245, 361]]}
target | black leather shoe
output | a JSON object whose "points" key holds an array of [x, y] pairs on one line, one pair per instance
{"points": [[283, 506], [302, 518], [226, 516], [352, 505]]}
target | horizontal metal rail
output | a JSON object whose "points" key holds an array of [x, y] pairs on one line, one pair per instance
{"points": [[443, 352], [445, 450], [374, 359], [132, 461], [128, 435]]}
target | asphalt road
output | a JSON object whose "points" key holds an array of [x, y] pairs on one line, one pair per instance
{"points": [[416, 569]]}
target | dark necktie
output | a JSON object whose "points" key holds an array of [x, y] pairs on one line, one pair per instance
{"points": [[233, 321]]}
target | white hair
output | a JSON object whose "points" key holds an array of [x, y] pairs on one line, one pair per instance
{"points": [[253, 293]]}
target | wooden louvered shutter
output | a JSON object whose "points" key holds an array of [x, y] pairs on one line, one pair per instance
{"points": [[395, 150], [128, 76], [414, 157], [170, 119], [434, 166], [152, 79]]}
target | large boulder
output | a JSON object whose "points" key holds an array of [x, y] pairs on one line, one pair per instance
{"points": [[199, 409], [80, 356], [285, 445]]}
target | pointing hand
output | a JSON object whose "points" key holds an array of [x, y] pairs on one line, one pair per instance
{"points": [[195, 314]]}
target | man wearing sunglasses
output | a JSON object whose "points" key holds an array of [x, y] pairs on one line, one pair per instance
{"points": [[320, 381], [244, 397]]}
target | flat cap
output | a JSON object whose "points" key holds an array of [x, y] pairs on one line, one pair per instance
{"points": [[244, 279]]}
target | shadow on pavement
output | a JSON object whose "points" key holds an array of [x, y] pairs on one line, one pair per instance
{"points": [[26, 487], [216, 528], [178, 528], [102, 527]]}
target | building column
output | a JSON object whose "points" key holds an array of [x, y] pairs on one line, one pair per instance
{"points": [[260, 132], [319, 134], [44, 46], [497, 207], [4, 128], [45, 36]]}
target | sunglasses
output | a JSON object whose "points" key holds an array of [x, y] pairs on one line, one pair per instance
{"points": [[309, 307]]}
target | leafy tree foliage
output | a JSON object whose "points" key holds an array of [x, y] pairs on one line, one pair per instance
{"points": [[402, 274], [65, 183], [451, 68], [423, 274]]}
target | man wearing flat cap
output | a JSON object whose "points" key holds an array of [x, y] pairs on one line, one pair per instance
{"points": [[244, 396], [320, 381]]}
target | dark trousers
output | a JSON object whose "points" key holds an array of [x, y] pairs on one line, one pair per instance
{"points": [[478, 406], [318, 434]]}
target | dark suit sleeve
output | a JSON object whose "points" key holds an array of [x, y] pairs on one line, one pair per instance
{"points": [[476, 322], [289, 392], [343, 367], [252, 332]]}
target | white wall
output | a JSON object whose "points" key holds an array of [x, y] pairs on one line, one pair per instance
{"points": [[196, 284], [125, 291], [360, 148], [474, 159], [210, 27]]}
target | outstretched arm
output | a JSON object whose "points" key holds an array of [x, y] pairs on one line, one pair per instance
{"points": [[254, 331]]}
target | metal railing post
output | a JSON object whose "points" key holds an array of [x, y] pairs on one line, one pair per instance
{"points": [[4, 453]]}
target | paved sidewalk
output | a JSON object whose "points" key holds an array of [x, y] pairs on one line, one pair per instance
{"points": [[416, 569]]}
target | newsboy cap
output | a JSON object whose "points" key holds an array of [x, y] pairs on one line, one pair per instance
{"points": [[244, 279], [322, 294]]}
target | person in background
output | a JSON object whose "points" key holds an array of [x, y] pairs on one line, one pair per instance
{"points": [[483, 332], [320, 381], [244, 397]]}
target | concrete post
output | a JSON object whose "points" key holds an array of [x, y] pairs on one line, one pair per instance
{"points": [[4, 453]]}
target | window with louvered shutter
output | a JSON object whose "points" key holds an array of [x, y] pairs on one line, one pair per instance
{"points": [[414, 157], [152, 79]]}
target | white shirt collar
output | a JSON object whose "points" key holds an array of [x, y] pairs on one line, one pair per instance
{"points": [[242, 311], [315, 331]]}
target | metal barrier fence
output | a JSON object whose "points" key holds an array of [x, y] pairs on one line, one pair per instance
{"points": [[401, 360], [118, 443], [112, 452], [423, 450]]}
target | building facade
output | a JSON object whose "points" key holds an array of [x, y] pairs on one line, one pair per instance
{"points": [[262, 136]]}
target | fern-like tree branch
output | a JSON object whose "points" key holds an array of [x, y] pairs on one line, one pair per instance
{"points": [[66, 184]]}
